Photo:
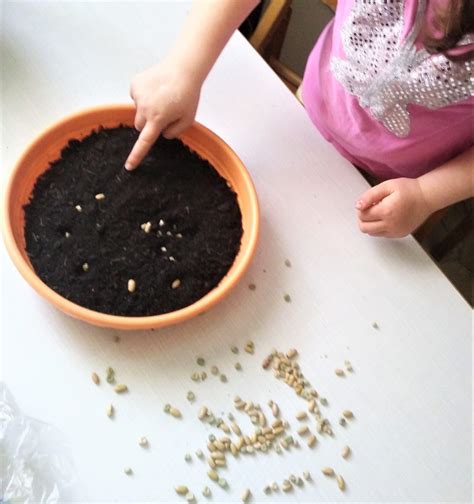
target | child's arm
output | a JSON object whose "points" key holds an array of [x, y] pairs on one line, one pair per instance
{"points": [[167, 95], [398, 207]]}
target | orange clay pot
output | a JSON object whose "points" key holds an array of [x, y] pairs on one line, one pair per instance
{"points": [[47, 147]]}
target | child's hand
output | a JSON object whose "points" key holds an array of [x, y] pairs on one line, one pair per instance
{"points": [[394, 208], [166, 98]]}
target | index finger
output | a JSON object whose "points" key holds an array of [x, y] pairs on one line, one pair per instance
{"points": [[147, 138]]}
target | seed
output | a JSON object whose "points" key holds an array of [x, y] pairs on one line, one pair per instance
{"points": [[346, 451], [176, 283], [225, 427], [287, 298], [78, 208], [132, 285], [190, 497], [110, 375], [190, 396], [95, 378], [292, 478], [342, 422], [246, 495], [238, 366], [307, 475], [340, 482], [147, 227], [323, 401], [178, 235], [223, 378], [211, 462], [212, 438], [67, 234], [161, 222], [202, 412], [375, 325], [286, 486], [267, 361], [200, 361], [199, 454], [128, 471], [252, 286], [100, 196], [188, 457], [85, 267], [327, 471], [312, 440], [195, 377], [181, 489], [301, 415], [339, 372], [267, 489], [214, 370], [222, 483], [167, 408], [348, 414], [143, 442], [275, 410], [236, 429], [303, 430], [206, 492], [175, 412], [234, 349], [110, 410], [163, 249], [120, 388], [348, 365], [171, 259], [292, 352], [249, 347]]}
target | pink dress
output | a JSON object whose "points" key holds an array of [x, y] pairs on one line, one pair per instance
{"points": [[385, 103]]}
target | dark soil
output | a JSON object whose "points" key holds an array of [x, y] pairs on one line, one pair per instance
{"points": [[201, 225]]}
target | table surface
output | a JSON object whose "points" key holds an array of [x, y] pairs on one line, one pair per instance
{"points": [[411, 386]]}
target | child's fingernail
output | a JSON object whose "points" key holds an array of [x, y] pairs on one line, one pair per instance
{"points": [[127, 167], [359, 204]]}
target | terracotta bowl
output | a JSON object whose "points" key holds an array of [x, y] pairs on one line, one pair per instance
{"points": [[47, 147]]}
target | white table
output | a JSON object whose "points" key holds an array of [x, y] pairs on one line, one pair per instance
{"points": [[411, 390]]}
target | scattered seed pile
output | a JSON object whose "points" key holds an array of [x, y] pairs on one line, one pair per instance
{"points": [[131, 243]]}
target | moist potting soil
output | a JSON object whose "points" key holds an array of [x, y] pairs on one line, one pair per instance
{"points": [[173, 226]]}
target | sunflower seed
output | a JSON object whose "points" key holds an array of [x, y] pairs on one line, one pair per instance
{"points": [[120, 388], [132, 285], [100, 196], [181, 489], [346, 451], [143, 442], [340, 482], [95, 378]]}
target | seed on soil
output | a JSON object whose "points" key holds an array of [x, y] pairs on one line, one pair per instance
{"points": [[161, 223], [163, 249], [327, 471], [67, 234], [206, 492], [340, 482], [223, 378], [188, 457], [181, 489], [128, 471], [95, 378], [175, 412], [301, 415], [178, 235], [234, 349], [346, 451], [348, 414], [312, 440], [190, 396], [252, 286], [238, 366], [246, 495], [100, 196], [171, 259], [176, 283], [85, 267], [120, 388], [132, 285], [110, 410], [146, 227], [78, 208], [287, 298], [339, 372], [143, 442]]}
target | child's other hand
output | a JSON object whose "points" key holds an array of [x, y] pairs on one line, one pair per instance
{"points": [[393, 209], [166, 99]]}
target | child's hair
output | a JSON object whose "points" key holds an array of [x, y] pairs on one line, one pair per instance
{"points": [[455, 21]]}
